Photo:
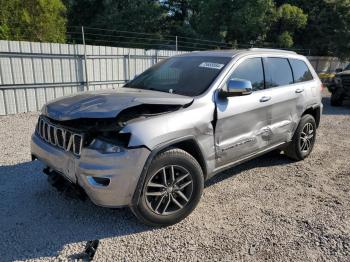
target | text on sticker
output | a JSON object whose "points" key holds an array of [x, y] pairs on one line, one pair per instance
{"points": [[211, 65]]}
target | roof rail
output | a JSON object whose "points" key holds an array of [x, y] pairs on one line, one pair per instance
{"points": [[272, 50]]}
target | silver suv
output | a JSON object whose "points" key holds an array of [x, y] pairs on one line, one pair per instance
{"points": [[151, 144]]}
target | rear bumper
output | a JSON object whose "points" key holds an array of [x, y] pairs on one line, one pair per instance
{"points": [[121, 169]]}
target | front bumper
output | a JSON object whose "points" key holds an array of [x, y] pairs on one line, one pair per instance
{"points": [[122, 169]]}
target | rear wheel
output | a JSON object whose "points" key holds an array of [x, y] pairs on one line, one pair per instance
{"points": [[303, 140], [172, 189]]}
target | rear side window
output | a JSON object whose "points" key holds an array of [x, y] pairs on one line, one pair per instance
{"points": [[252, 70], [278, 72], [300, 70]]}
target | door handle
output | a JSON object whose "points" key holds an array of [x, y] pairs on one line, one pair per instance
{"points": [[299, 90], [265, 99]]}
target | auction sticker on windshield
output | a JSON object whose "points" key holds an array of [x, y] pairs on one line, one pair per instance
{"points": [[211, 65]]}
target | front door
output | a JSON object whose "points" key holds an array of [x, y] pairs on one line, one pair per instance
{"points": [[242, 122]]}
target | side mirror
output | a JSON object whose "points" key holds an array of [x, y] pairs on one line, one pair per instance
{"points": [[338, 70], [237, 87]]}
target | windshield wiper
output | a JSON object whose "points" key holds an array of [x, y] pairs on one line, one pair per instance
{"points": [[155, 89]]}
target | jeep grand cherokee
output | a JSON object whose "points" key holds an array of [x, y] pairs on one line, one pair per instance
{"points": [[151, 144]]}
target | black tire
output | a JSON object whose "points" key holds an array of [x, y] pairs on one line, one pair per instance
{"points": [[336, 99], [173, 161], [296, 148]]}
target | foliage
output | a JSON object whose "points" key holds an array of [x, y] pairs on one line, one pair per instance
{"points": [[339, 43], [320, 25], [241, 21], [327, 31], [289, 19], [285, 40], [33, 20], [177, 20], [128, 15]]}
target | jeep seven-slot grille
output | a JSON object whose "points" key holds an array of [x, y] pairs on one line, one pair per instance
{"points": [[346, 81], [60, 137]]}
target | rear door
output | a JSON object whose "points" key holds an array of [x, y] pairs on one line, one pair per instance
{"points": [[283, 114], [305, 85], [242, 121]]}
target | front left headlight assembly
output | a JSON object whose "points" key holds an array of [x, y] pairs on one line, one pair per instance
{"points": [[106, 147]]}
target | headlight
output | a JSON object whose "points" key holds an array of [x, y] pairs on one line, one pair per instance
{"points": [[106, 147]]}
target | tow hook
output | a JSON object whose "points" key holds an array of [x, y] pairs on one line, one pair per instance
{"points": [[63, 185]]}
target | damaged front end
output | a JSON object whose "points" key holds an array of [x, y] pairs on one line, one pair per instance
{"points": [[102, 115], [100, 134], [94, 153]]}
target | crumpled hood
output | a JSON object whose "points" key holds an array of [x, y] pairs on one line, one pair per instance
{"points": [[107, 103]]}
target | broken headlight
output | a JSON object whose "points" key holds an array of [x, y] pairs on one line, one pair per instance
{"points": [[106, 147]]}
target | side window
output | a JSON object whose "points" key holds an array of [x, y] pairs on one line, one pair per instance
{"points": [[252, 70], [278, 72], [300, 70]]}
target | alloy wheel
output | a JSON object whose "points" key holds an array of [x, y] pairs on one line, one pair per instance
{"points": [[306, 138], [169, 190]]}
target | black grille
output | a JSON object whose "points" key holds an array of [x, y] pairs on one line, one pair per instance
{"points": [[77, 143], [52, 134], [346, 81], [46, 131], [67, 139], [60, 137]]}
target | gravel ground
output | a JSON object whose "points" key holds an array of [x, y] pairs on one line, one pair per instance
{"points": [[267, 209]]}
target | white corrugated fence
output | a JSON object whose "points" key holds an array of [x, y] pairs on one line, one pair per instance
{"points": [[32, 74]]}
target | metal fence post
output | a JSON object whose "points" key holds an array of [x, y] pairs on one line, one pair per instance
{"points": [[85, 60], [176, 43], [129, 75]]}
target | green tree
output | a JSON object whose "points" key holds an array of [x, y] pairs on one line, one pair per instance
{"points": [[327, 31], [33, 20], [114, 16], [133, 15], [241, 21], [339, 35], [178, 15], [285, 40], [289, 19]]}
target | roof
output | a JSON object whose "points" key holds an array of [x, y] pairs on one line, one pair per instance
{"points": [[234, 52]]}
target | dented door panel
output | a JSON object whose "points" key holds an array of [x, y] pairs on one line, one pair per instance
{"points": [[283, 116], [242, 126]]}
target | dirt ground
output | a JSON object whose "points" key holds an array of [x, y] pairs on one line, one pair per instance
{"points": [[267, 209]]}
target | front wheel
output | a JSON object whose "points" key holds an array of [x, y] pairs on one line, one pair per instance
{"points": [[172, 189], [303, 140]]}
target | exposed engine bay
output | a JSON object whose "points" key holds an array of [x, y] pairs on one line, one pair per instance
{"points": [[108, 128]]}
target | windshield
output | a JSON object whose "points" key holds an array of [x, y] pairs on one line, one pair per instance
{"points": [[187, 75]]}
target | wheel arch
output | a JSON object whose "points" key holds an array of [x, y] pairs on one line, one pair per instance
{"points": [[189, 144], [315, 111]]}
